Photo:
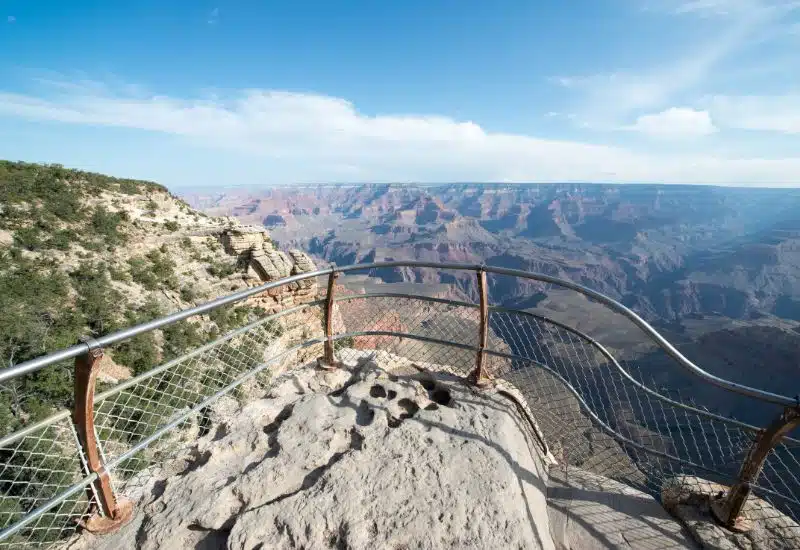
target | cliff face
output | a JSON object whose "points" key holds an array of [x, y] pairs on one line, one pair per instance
{"points": [[262, 262], [671, 251], [85, 254]]}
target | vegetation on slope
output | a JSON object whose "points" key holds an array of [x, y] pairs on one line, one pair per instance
{"points": [[80, 255]]}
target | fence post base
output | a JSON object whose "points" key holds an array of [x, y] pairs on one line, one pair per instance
{"points": [[727, 508], [103, 525], [328, 360], [478, 377], [323, 364], [108, 513]]}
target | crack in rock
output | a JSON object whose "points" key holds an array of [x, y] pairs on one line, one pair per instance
{"points": [[356, 444]]}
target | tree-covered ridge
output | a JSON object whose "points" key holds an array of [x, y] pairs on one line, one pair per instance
{"points": [[83, 254], [49, 206], [53, 184]]}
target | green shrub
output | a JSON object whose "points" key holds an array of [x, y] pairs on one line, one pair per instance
{"points": [[188, 294], [29, 238], [129, 187], [63, 239], [139, 354], [141, 273], [346, 342], [171, 226], [230, 317], [151, 208], [221, 269], [118, 274], [98, 301], [106, 224], [163, 268], [180, 338]]}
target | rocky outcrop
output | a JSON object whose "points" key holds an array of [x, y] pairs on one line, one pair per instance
{"points": [[383, 453], [253, 247], [376, 456]]}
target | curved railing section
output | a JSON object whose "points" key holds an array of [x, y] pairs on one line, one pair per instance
{"points": [[640, 413]]}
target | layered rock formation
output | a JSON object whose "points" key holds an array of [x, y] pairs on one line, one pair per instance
{"points": [[264, 263]]}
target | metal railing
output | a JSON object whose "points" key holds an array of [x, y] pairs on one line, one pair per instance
{"points": [[599, 408]]}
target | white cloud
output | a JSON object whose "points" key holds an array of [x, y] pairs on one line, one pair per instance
{"points": [[675, 123], [610, 100], [779, 113], [325, 138], [11, 19], [213, 16]]}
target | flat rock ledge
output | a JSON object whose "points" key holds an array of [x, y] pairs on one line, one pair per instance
{"points": [[688, 498], [592, 512], [358, 458]]}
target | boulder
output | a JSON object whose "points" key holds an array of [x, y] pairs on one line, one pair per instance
{"points": [[270, 264], [302, 262], [241, 240]]}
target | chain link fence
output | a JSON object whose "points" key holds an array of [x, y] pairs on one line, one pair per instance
{"points": [[604, 410]]}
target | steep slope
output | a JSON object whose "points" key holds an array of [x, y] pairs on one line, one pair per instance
{"points": [[83, 254]]}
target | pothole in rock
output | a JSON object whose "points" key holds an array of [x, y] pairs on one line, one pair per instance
{"points": [[377, 391], [428, 384], [437, 393], [409, 410], [364, 414], [442, 397], [409, 407]]}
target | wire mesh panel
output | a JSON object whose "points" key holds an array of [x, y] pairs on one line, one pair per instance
{"points": [[426, 318], [126, 417], [600, 419], [35, 468], [631, 419]]}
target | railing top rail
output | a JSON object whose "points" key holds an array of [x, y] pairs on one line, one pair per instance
{"points": [[74, 351], [39, 363]]}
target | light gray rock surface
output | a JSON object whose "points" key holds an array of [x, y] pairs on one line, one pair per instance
{"points": [[688, 498], [356, 459], [590, 512]]}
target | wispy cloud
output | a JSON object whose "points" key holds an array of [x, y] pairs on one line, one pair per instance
{"points": [[11, 19], [213, 16], [617, 99], [329, 139], [764, 113], [718, 8]]}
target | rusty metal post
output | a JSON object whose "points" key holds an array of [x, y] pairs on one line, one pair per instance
{"points": [[478, 376], [727, 508], [328, 360], [113, 513]]}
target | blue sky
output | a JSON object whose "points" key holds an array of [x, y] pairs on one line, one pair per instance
{"points": [[260, 92]]}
